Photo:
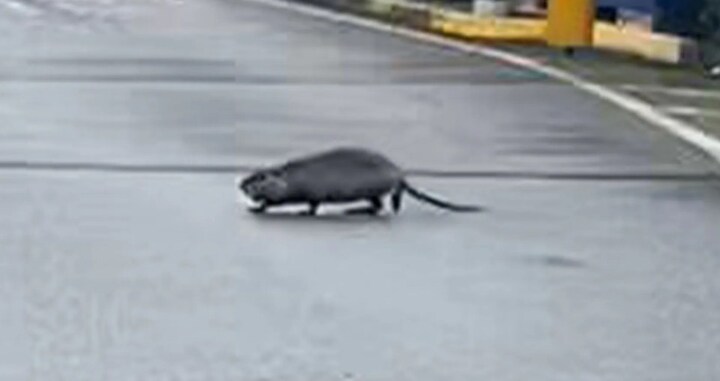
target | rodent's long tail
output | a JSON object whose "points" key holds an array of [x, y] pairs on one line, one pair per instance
{"points": [[416, 193]]}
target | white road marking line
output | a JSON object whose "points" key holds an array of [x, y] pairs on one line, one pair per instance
{"points": [[691, 111], [674, 91], [683, 130]]}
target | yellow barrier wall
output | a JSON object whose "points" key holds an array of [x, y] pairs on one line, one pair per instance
{"points": [[570, 23]]}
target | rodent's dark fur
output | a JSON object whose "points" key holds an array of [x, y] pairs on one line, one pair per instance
{"points": [[339, 175]]}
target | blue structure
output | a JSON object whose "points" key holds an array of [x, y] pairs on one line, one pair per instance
{"points": [[635, 5], [680, 17]]}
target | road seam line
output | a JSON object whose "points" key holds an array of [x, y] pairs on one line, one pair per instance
{"points": [[685, 92], [691, 111], [168, 168], [685, 131]]}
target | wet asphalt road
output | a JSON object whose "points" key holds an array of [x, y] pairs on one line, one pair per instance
{"points": [[125, 256]]}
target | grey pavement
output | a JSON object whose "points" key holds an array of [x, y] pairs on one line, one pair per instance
{"points": [[124, 254], [684, 92]]}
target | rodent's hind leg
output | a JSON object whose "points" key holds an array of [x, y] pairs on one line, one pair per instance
{"points": [[376, 205], [312, 209], [396, 199]]}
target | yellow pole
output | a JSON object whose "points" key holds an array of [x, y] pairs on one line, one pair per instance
{"points": [[570, 23]]}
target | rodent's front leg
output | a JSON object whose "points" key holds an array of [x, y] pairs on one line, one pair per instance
{"points": [[259, 208]]}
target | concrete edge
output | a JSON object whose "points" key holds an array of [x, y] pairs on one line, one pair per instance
{"points": [[489, 28], [657, 47]]}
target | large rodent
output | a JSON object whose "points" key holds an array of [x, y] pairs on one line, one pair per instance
{"points": [[339, 175]]}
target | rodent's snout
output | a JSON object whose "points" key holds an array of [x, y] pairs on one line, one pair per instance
{"points": [[247, 188], [263, 186], [244, 185], [251, 189], [239, 182]]}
